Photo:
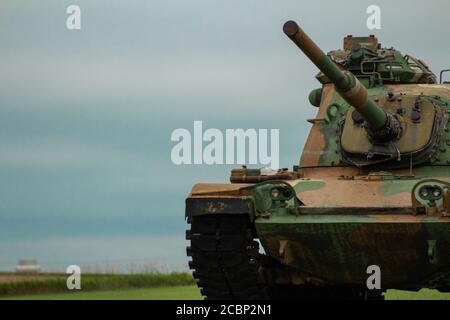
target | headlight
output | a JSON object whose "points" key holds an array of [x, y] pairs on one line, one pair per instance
{"points": [[437, 193], [281, 193], [430, 193], [424, 193], [274, 193]]}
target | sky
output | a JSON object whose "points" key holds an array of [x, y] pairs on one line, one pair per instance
{"points": [[86, 115]]}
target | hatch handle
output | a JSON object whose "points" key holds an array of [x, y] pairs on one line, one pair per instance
{"points": [[441, 74]]}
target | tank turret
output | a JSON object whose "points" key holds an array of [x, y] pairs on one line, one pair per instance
{"points": [[382, 126], [376, 121]]}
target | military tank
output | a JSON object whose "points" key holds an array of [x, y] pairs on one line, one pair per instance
{"points": [[371, 188]]}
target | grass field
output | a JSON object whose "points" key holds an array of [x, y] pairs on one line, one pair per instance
{"points": [[424, 294], [192, 293], [13, 284], [166, 293], [150, 286]]}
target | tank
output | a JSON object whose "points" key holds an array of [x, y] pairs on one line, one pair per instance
{"points": [[370, 192]]}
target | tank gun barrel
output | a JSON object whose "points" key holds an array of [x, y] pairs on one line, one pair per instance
{"points": [[380, 124]]}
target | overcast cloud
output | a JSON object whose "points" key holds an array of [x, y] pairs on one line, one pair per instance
{"points": [[86, 116]]}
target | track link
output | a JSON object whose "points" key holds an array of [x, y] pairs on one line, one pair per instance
{"points": [[225, 257]]}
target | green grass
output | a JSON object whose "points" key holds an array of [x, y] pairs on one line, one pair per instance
{"points": [[166, 293], [192, 293], [151, 286], [97, 282], [424, 294]]}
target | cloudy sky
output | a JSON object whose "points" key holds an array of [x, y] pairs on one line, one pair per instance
{"points": [[86, 116]]}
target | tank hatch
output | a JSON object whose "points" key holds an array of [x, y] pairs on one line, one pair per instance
{"points": [[374, 65], [370, 42]]}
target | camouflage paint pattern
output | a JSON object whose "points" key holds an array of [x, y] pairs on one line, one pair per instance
{"points": [[337, 249], [322, 147], [339, 217]]}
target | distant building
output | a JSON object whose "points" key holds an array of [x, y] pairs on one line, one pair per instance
{"points": [[28, 266]]}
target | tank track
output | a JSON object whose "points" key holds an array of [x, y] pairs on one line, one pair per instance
{"points": [[225, 257], [227, 265]]}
